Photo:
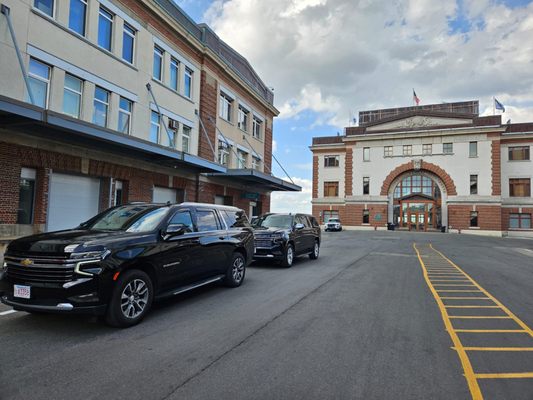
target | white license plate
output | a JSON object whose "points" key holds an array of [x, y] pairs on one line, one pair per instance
{"points": [[22, 291]]}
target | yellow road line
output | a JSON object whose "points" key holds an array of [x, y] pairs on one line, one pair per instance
{"points": [[465, 362], [479, 317], [459, 290], [465, 298], [470, 306], [498, 348], [453, 284], [491, 330], [509, 375]]}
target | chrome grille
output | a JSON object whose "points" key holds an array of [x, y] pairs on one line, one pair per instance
{"points": [[44, 269], [263, 243]]}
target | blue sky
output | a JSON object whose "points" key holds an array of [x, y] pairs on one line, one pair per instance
{"points": [[329, 59]]}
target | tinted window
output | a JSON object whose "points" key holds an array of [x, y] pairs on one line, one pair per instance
{"points": [[137, 218], [183, 218], [274, 221], [206, 220], [235, 219], [314, 222], [300, 219]]}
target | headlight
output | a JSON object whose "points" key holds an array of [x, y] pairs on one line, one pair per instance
{"points": [[90, 255], [88, 261], [280, 236]]}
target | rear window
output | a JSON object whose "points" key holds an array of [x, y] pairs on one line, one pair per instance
{"points": [[334, 220]]}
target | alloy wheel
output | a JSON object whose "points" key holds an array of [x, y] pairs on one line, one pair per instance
{"points": [[134, 298], [237, 270]]}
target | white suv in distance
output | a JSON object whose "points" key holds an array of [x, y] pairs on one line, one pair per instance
{"points": [[333, 224]]}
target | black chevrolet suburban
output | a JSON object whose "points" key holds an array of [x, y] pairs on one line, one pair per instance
{"points": [[119, 262], [282, 237]]}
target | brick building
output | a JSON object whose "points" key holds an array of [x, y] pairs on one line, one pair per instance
{"points": [[433, 167], [125, 100]]}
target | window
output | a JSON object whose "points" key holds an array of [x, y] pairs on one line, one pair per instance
{"points": [[416, 184], [26, 196], [119, 194], [39, 78], [520, 221], [473, 184], [366, 216], [128, 43], [206, 220], [256, 128], [427, 149], [101, 105], [520, 187], [124, 115], [77, 16], [158, 64], [155, 122], [187, 87], [225, 107], [242, 159], [407, 150], [331, 161], [186, 139], [327, 214], [473, 219], [387, 151], [169, 136], [366, 153], [447, 148], [105, 29], [72, 94], [223, 152], [235, 219], [331, 189], [183, 218], [174, 73], [256, 163], [242, 121], [46, 6], [519, 153], [366, 185], [472, 149]]}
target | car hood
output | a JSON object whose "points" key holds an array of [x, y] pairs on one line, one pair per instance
{"points": [[269, 231], [55, 242]]}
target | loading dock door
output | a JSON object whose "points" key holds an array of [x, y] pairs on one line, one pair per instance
{"points": [[162, 195], [72, 200]]}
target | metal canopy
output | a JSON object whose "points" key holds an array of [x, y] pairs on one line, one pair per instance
{"points": [[35, 121], [258, 178]]}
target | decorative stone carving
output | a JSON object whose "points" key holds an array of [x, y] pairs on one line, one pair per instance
{"points": [[417, 164]]}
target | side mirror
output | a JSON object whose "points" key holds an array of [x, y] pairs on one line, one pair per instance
{"points": [[174, 230], [299, 227]]}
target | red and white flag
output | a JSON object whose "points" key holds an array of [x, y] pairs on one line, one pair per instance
{"points": [[415, 98]]}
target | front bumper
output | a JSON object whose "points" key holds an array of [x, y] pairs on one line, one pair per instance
{"points": [[55, 309], [275, 252]]}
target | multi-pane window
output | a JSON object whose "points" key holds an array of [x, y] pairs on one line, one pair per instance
{"points": [[158, 64], [366, 153], [78, 16], [128, 43], [473, 184], [124, 115], [105, 29], [174, 73], [155, 126], [407, 150], [39, 78], [256, 128], [168, 137], [187, 83], [225, 107], [186, 139], [520, 187], [473, 219], [472, 149], [447, 148], [331, 189], [427, 149], [520, 221], [72, 95], [241, 159], [416, 184], [331, 161], [46, 6], [387, 151], [366, 216], [242, 121], [101, 106], [366, 185], [223, 152], [256, 163], [518, 153], [26, 196]]}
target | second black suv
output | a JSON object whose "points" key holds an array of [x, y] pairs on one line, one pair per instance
{"points": [[282, 237], [118, 262]]}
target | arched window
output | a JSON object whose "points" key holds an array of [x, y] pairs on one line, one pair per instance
{"points": [[416, 184]]}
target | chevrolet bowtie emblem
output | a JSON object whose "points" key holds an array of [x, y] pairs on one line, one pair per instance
{"points": [[26, 262]]}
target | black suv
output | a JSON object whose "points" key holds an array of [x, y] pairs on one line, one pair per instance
{"points": [[282, 237], [118, 262]]}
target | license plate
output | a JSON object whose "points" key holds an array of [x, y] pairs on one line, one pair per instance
{"points": [[22, 291]]}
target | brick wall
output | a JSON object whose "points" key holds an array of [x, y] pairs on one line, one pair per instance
{"points": [[352, 214], [315, 177], [489, 217], [507, 211], [268, 147], [348, 172], [496, 168], [208, 114]]}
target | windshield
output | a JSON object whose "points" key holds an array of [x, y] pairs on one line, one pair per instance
{"points": [[131, 218], [273, 221]]}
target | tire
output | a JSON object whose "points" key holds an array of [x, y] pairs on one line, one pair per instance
{"points": [[316, 251], [288, 256], [236, 271], [131, 299]]}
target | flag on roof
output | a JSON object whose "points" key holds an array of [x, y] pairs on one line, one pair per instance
{"points": [[415, 98], [498, 105]]}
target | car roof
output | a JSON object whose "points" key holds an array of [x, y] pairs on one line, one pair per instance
{"points": [[187, 204]]}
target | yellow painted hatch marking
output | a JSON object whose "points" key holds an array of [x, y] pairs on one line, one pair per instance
{"points": [[508, 375], [498, 348]]}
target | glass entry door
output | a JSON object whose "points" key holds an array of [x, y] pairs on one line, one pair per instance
{"points": [[418, 216]]}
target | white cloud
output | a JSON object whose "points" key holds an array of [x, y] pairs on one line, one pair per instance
{"points": [[274, 146], [293, 201], [336, 56]]}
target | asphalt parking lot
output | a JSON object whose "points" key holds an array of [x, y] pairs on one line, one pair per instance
{"points": [[370, 319]]}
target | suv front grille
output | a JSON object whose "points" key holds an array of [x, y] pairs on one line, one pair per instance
{"points": [[263, 243], [43, 269]]}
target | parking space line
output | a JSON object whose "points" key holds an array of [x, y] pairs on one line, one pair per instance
{"points": [[498, 348], [7, 312], [480, 317], [465, 298], [471, 306], [491, 330], [509, 375]]}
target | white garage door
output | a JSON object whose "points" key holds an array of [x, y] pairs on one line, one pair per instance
{"points": [[73, 199], [162, 195]]}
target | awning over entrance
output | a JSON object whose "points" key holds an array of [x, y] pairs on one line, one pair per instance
{"points": [[253, 177]]}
